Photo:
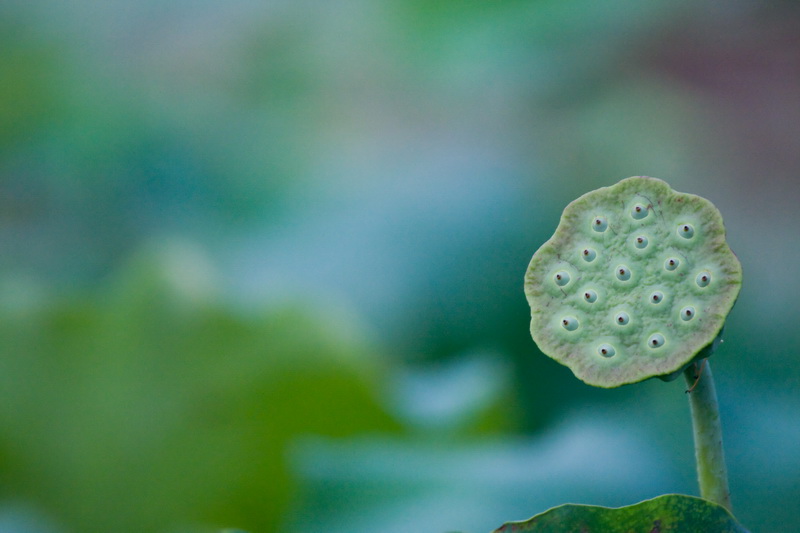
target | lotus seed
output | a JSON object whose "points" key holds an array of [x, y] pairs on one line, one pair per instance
{"points": [[570, 323], [623, 273], [641, 242], [606, 350], [639, 212], [561, 278], [703, 278], [656, 340], [671, 264], [589, 254], [600, 224], [622, 319], [687, 313], [656, 297], [686, 231], [590, 296]]}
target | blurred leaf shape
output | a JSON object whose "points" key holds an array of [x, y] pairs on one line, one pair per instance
{"points": [[465, 394], [150, 405], [670, 512], [445, 484]]}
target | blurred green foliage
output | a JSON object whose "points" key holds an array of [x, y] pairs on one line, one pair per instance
{"points": [[150, 405], [398, 160]]}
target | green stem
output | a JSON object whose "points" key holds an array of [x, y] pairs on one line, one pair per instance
{"points": [[712, 475]]}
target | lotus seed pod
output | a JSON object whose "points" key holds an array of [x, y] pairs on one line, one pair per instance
{"points": [[635, 283]]}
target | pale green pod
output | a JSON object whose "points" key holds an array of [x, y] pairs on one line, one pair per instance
{"points": [[650, 275]]}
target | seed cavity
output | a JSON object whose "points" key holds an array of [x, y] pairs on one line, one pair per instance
{"points": [[570, 323], [623, 273], [672, 263], [640, 242], [686, 231], [589, 254], [657, 297], [656, 340], [590, 296], [600, 224], [639, 211], [703, 278], [606, 350], [687, 313], [561, 278], [622, 319]]}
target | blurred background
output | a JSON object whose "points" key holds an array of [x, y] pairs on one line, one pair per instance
{"points": [[261, 262]]}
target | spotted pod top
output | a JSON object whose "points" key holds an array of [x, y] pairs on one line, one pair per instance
{"points": [[636, 281]]}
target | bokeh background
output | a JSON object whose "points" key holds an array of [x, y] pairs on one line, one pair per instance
{"points": [[261, 262]]}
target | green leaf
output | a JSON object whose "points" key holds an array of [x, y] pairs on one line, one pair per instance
{"points": [[153, 406], [670, 512]]}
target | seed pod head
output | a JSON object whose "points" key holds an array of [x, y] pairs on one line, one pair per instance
{"points": [[643, 277]]}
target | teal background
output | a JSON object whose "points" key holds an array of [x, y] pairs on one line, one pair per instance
{"points": [[261, 262]]}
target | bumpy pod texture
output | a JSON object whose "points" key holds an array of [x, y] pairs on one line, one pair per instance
{"points": [[635, 283]]}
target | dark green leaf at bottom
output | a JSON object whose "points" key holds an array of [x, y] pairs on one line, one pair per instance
{"points": [[667, 513]]}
